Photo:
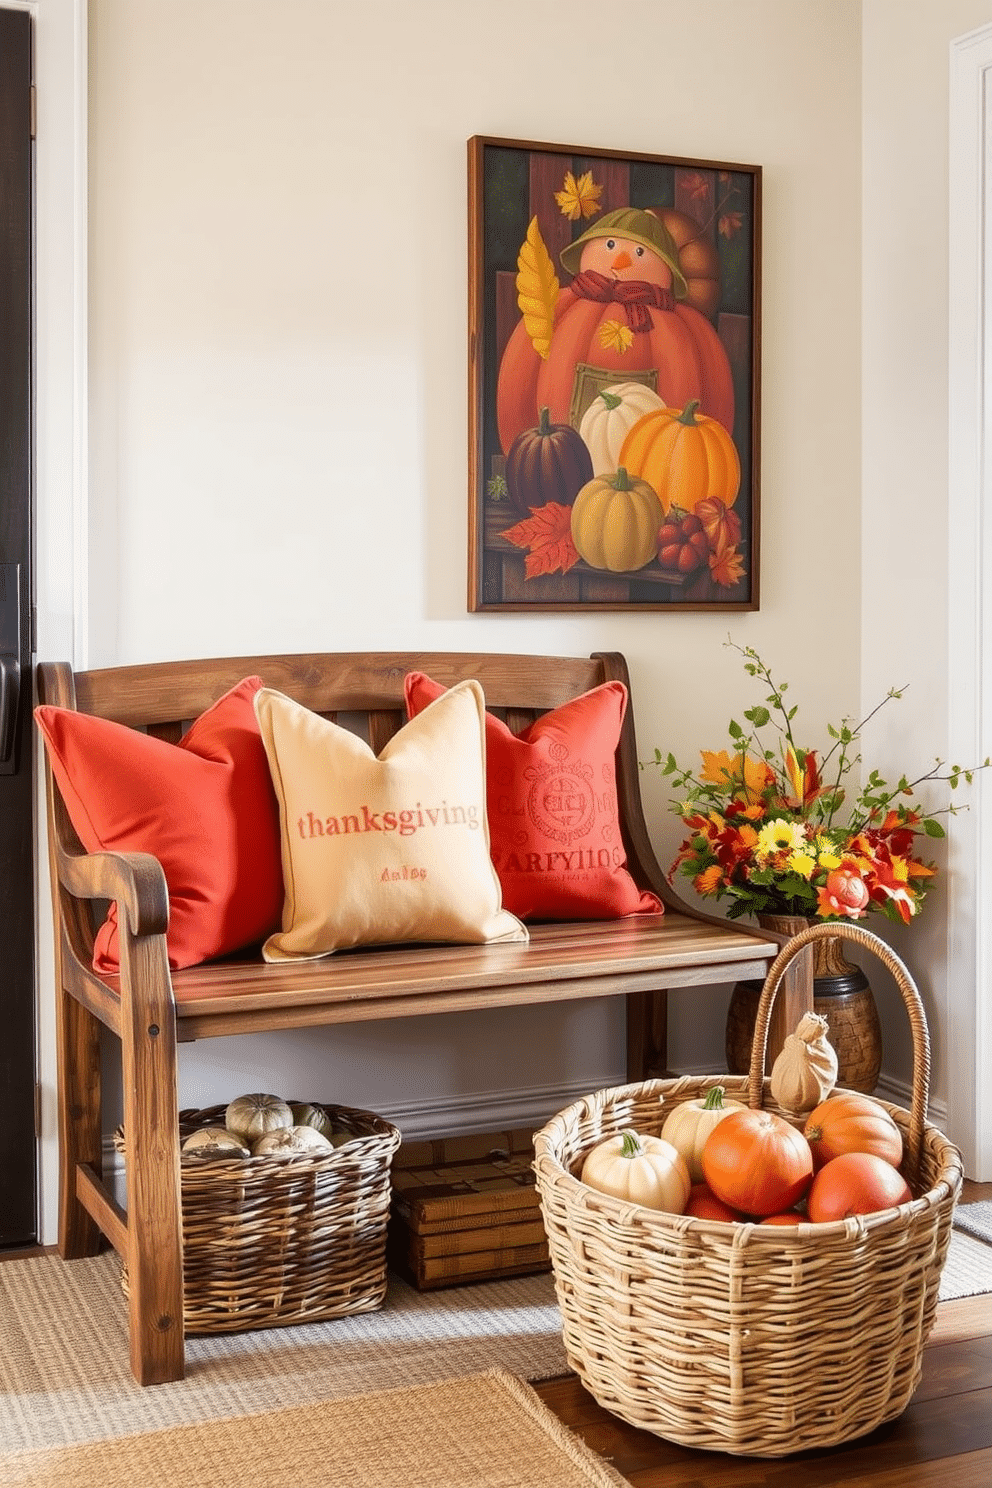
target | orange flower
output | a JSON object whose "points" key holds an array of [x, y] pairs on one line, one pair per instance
{"points": [[742, 773], [804, 778], [708, 881]]}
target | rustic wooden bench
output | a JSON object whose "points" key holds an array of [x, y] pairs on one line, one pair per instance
{"points": [[151, 1010]]}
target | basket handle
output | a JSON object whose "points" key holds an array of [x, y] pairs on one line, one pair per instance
{"points": [[844, 930]]}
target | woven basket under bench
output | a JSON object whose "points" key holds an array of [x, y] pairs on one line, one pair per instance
{"points": [[280, 1239], [743, 1338]]}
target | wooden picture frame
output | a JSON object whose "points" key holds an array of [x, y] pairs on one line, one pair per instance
{"points": [[591, 271]]}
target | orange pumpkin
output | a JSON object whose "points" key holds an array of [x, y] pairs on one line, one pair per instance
{"points": [[757, 1163], [681, 346], [684, 455], [848, 1121], [855, 1183]]}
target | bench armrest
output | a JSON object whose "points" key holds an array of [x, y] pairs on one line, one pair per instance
{"points": [[134, 880]]}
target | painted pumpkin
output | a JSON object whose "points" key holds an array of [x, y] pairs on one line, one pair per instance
{"points": [[609, 417], [615, 522], [699, 259], [624, 311], [682, 345], [546, 463], [682, 542], [685, 456]]}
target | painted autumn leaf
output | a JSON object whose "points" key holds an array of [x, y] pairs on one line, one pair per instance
{"points": [[537, 289], [547, 533], [696, 186], [615, 336], [727, 568], [730, 223], [578, 198]]}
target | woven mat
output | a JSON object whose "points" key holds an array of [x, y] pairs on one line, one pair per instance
{"points": [[481, 1431], [65, 1377], [975, 1219]]}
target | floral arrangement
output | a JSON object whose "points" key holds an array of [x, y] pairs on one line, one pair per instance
{"points": [[771, 828]]}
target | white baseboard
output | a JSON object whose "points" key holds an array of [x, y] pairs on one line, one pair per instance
{"points": [[503, 1110], [454, 1115], [900, 1093]]}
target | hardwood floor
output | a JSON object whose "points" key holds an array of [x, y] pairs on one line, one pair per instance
{"points": [[943, 1438]]}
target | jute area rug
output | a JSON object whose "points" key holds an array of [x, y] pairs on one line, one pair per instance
{"points": [[482, 1431], [65, 1377]]}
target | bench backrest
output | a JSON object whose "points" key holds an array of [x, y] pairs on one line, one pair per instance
{"points": [[362, 691]]}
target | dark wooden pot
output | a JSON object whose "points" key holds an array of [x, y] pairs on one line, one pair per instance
{"points": [[841, 993]]}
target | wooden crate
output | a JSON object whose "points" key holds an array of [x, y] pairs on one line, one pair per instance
{"points": [[466, 1209]]}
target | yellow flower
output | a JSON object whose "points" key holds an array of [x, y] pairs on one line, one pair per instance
{"points": [[781, 836], [801, 863]]}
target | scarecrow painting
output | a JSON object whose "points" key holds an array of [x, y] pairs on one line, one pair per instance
{"points": [[617, 382]]}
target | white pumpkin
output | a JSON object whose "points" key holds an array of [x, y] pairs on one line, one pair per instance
{"points": [[643, 1169], [289, 1140], [605, 423], [251, 1116], [304, 1114], [689, 1124], [215, 1141]]}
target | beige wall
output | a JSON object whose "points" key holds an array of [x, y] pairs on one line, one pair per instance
{"points": [[277, 378], [908, 551]]}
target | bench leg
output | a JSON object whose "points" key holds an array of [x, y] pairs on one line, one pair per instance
{"points": [[80, 1134], [647, 1036], [154, 1201]]}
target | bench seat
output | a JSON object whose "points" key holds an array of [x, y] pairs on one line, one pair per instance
{"points": [[152, 1010]]}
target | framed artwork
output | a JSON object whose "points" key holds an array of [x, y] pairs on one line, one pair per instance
{"points": [[614, 358]]}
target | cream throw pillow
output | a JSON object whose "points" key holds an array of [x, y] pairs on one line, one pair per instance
{"points": [[383, 850]]}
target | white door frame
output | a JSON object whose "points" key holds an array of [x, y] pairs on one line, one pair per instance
{"points": [[60, 29], [969, 958]]}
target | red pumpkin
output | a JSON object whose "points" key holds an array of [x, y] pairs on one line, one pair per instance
{"points": [[757, 1163], [850, 1122], [855, 1183], [681, 347], [546, 463], [682, 542], [704, 1204]]}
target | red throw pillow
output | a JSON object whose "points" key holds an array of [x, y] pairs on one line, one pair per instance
{"points": [[551, 800], [205, 808]]}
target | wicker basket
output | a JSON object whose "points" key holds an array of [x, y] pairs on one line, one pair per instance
{"points": [[275, 1240], [743, 1338]]}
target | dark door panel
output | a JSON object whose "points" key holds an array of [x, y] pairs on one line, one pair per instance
{"points": [[18, 1203]]}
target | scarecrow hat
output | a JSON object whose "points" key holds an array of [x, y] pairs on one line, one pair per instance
{"points": [[642, 227]]}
